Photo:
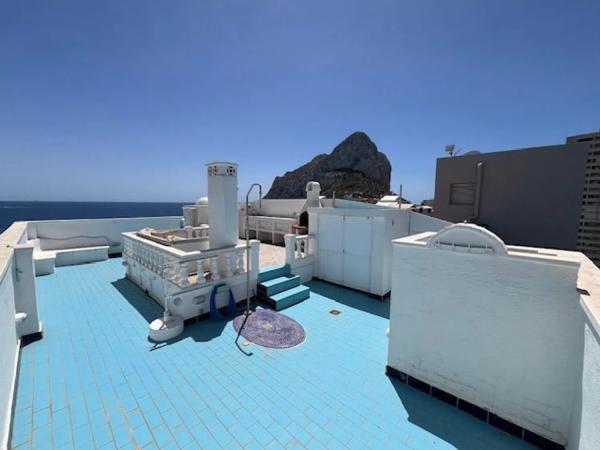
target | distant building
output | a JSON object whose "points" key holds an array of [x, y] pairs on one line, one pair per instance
{"points": [[422, 209], [392, 201], [542, 196]]}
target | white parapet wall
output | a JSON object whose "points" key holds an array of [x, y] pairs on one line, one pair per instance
{"points": [[9, 344], [289, 208], [585, 432], [17, 295], [72, 242], [64, 234], [498, 326], [419, 223]]}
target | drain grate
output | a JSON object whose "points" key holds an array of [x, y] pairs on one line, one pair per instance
{"points": [[335, 312]]}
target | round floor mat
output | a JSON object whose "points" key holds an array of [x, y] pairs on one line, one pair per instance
{"points": [[269, 329]]}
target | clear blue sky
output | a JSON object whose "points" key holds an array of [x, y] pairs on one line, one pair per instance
{"points": [[127, 100]]}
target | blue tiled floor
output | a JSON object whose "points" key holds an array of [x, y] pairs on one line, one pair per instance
{"points": [[95, 381]]}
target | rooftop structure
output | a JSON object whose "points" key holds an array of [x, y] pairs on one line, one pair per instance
{"points": [[518, 193], [509, 333]]}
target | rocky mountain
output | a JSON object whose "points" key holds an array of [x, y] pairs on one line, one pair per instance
{"points": [[355, 168]]}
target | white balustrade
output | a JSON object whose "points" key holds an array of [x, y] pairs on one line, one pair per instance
{"points": [[175, 267], [297, 247]]}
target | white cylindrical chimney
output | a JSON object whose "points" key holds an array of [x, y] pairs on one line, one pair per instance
{"points": [[222, 204]]}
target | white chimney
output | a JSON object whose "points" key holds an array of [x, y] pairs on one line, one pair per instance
{"points": [[223, 215], [313, 194]]}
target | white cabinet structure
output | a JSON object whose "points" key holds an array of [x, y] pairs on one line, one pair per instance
{"points": [[353, 246]]}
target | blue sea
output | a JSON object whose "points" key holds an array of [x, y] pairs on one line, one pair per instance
{"points": [[13, 211]]}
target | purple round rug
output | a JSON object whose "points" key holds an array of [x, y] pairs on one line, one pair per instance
{"points": [[269, 329]]}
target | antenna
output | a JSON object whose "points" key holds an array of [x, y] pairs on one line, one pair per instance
{"points": [[400, 197]]}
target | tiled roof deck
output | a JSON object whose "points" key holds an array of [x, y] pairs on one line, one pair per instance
{"points": [[95, 381]]}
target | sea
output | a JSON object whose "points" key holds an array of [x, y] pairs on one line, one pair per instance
{"points": [[11, 211]]}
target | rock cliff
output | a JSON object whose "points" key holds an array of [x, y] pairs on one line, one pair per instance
{"points": [[354, 169]]}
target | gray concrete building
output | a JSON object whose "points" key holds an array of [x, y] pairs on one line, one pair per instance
{"points": [[542, 196]]}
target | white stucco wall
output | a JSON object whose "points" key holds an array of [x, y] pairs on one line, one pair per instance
{"points": [[8, 351], [590, 395], [8, 332], [422, 222], [25, 296], [57, 234], [585, 422], [278, 207], [497, 331]]}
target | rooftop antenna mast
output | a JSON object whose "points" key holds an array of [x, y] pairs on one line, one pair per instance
{"points": [[247, 230], [400, 197]]}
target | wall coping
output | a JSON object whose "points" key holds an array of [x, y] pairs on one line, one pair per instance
{"points": [[8, 240]]}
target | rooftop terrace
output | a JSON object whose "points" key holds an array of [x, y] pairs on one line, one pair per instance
{"points": [[96, 381]]}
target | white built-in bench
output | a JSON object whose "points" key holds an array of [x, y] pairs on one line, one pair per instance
{"points": [[46, 260]]}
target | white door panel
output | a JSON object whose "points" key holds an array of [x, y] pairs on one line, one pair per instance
{"points": [[357, 252], [357, 273], [330, 266], [344, 250], [330, 238], [357, 236]]}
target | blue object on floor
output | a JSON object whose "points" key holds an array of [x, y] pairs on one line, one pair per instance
{"points": [[214, 311], [269, 329]]}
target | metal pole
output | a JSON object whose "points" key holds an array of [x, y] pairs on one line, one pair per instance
{"points": [[248, 241], [400, 197]]}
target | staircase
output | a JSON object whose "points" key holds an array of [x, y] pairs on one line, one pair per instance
{"points": [[279, 288]]}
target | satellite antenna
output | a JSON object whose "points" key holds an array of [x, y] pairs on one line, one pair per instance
{"points": [[450, 149]]}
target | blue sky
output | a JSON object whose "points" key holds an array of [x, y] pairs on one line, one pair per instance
{"points": [[128, 100]]}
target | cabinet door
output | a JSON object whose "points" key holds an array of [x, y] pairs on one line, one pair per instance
{"points": [[330, 248], [357, 252]]}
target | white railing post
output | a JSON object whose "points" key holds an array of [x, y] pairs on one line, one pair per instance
{"points": [[312, 243], [290, 248], [299, 247], [200, 272], [183, 274], [240, 261], [228, 265], [214, 268]]}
